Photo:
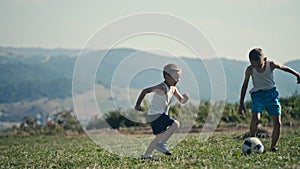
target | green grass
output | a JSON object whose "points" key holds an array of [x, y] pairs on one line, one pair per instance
{"points": [[221, 151]]}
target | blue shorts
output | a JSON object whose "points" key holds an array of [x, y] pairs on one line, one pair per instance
{"points": [[160, 122], [267, 99]]}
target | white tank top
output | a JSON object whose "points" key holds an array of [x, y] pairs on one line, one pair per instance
{"points": [[264, 80], [161, 101]]}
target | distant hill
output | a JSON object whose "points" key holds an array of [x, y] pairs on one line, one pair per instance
{"points": [[41, 52], [114, 63], [29, 78], [32, 73]]}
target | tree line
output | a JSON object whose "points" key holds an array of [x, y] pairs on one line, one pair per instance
{"points": [[117, 119], [65, 121]]}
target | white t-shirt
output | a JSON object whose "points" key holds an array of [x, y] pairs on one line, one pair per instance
{"points": [[160, 102], [264, 80]]}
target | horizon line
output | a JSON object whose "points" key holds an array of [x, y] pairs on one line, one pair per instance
{"points": [[120, 48]]}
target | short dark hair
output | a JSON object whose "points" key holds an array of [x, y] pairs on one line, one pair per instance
{"points": [[256, 54], [165, 73], [169, 68]]}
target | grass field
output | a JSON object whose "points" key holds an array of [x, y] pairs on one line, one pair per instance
{"points": [[221, 151]]}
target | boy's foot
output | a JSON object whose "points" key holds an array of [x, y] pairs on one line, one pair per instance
{"points": [[274, 149], [146, 156], [162, 147]]}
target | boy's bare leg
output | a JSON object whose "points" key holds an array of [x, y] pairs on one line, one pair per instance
{"points": [[254, 123], [153, 143], [163, 137], [276, 130], [170, 131]]}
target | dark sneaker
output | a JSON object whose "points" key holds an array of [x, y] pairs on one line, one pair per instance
{"points": [[146, 156], [274, 149], [162, 147]]}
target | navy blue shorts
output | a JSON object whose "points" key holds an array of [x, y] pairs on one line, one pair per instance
{"points": [[267, 99], [160, 122]]}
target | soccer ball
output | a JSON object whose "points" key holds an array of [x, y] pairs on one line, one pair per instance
{"points": [[252, 145]]}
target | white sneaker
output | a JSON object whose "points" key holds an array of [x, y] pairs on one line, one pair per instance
{"points": [[162, 147], [146, 156]]}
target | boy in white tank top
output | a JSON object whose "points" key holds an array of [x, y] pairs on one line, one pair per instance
{"points": [[162, 124], [263, 92]]}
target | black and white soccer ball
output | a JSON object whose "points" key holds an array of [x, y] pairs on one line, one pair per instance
{"points": [[252, 145]]}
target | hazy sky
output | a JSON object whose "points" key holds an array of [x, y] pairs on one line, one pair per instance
{"points": [[232, 26]]}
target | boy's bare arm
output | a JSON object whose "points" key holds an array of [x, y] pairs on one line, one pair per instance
{"points": [[244, 89], [181, 98], [143, 94], [286, 69]]}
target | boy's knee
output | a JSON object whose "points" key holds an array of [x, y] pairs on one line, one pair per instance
{"points": [[277, 121], [176, 124], [255, 118], [277, 124]]}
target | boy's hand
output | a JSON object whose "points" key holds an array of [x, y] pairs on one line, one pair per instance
{"points": [[138, 108], [242, 109], [185, 98]]}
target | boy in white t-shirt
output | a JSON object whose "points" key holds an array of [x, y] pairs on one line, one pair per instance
{"points": [[264, 93], [163, 126]]}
